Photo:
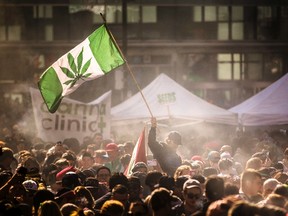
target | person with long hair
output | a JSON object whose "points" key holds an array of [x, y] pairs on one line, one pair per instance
{"points": [[48, 208]]}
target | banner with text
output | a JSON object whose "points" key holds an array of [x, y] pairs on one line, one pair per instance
{"points": [[72, 119]]}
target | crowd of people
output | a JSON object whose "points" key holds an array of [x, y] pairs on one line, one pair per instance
{"points": [[246, 176]]}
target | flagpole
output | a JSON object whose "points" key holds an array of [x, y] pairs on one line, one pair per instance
{"points": [[128, 67]]}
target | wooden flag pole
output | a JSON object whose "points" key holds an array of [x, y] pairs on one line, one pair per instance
{"points": [[128, 67]]}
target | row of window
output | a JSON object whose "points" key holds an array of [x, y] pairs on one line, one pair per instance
{"points": [[44, 22]]}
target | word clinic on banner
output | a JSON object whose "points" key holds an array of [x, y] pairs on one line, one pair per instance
{"points": [[61, 122], [72, 119]]}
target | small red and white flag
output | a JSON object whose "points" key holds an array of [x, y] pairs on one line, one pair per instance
{"points": [[138, 155]]}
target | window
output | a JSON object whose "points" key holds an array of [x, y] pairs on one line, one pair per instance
{"points": [[149, 14], [267, 19], [237, 23], [197, 14], [43, 11], [230, 66], [133, 14], [48, 32], [253, 69], [14, 33], [2, 33], [227, 21], [210, 13], [223, 31], [230, 26], [236, 66], [113, 14]]}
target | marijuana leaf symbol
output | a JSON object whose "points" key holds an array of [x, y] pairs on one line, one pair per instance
{"points": [[77, 71]]}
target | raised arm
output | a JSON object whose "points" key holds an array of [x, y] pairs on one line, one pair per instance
{"points": [[154, 146]]}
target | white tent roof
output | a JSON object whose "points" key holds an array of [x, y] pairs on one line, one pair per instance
{"points": [[268, 107], [169, 100]]}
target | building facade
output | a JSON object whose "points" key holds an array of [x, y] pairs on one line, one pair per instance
{"points": [[224, 51]]}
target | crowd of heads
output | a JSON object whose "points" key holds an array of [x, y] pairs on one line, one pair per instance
{"points": [[245, 176]]}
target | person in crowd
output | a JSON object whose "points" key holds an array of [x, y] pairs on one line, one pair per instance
{"points": [[231, 189], [209, 171], [97, 140], [269, 186], [6, 159], [86, 160], [138, 209], [128, 147], [121, 194], [178, 188], [112, 208], [196, 168], [254, 163], [201, 179], [249, 209], [140, 167], [214, 190], [116, 178], [281, 190], [182, 170], [92, 184], [226, 148], [193, 197], [65, 195], [125, 160], [251, 186], [135, 189], [73, 144], [101, 157], [103, 174], [226, 168], [222, 206], [48, 208], [84, 198], [264, 157], [61, 163], [165, 152], [161, 202], [275, 200], [213, 159], [68, 208], [114, 155], [40, 196], [70, 180], [152, 179]]}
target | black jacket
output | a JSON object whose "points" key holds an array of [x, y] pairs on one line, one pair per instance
{"points": [[167, 158]]}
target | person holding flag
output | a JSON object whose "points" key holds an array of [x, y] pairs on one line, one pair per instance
{"points": [[165, 152]]}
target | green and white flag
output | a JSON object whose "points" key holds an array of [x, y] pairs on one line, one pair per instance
{"points": [[94, 57]]}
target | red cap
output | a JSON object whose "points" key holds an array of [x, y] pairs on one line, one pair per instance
{"points": [[197, 158], [111, 147], [60, 174]]}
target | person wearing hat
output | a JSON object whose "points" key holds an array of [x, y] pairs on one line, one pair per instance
{"points": [[6, 159], [193, 196], [165, 152], [140, 167], [114, 163]]}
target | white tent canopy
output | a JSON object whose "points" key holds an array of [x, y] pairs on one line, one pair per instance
{"points": [[170, 101], [268, 107]]}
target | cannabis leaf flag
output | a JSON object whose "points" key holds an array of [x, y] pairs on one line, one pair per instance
{"points": [[94, 57]]}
